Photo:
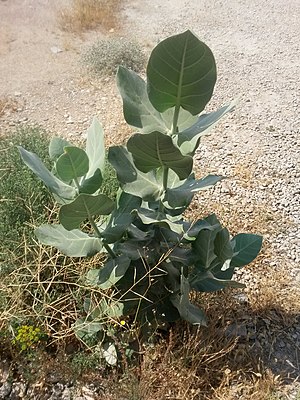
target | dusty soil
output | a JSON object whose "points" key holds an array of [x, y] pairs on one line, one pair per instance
{"points": [[256, 46]]}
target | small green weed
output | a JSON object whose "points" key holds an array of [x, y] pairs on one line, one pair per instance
{"points": [[104, 56], [28, 337], [23, 197]]}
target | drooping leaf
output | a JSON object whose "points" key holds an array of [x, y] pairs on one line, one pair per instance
{"points": [[73, 164], [181, 196], [137, 109], [56, 147], [206, 281], [187, 310], [122, 217], [73, 243], [56, 186], [155, 150], [181, 72], [246, 247], [133, 181], [92, 184], [188, 140], [83, 207], [95, 148], [113, 271]]}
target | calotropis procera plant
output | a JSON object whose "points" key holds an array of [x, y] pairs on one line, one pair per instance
{"points": [[154, 256]]}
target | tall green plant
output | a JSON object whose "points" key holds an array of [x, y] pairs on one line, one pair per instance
{"points": [[154, 256]]}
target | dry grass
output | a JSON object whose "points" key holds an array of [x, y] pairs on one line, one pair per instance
{"points": [[7, 104], [83, 15]]}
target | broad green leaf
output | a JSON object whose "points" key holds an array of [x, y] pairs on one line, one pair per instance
{"points": [[95, 148], [246, 247], [206, 281], [155, 150], [133, 181], [137, 109], [181, 72], [222, 247], [56, 186], [92, 184], [71, 243], [181, 196], [113, 271], [204, 245], [188, 140], [56, 147], [122, 217], [84, 207], [193, 229], [73, 164], [189, 312], [155, 217]]}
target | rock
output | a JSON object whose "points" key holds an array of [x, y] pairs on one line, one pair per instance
{"points": [[5, 390], [18, 391], [56, 50]]}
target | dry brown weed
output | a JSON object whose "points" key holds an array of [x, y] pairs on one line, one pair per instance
{"points": [[83, 15]]}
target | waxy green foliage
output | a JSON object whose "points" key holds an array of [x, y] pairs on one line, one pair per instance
{"points": [[154, 256]]}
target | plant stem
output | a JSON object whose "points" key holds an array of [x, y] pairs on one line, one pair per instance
{"points": [[175, 119], [98, 234]]}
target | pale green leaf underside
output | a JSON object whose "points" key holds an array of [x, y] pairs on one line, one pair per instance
{"points": [[71, 243]]}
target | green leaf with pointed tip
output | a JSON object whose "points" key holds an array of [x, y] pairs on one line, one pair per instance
{"points": [[56, 147], [181, 72], [72, 164], [133, 181], [95, 148], [92, 184], [137, 109], [189, 312], [222, 247], [246, 247], [188, 140], [155, 150], [84, 207], [208, 282], [113, 271], [71, 243], [56, 186], [182, 195]]}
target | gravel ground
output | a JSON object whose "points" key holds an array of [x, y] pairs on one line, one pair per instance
{"points": [[257, 49]]}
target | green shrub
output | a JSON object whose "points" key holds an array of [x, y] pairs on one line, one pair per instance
{"points": [[23, 198], [155, 257], [104, 56]]}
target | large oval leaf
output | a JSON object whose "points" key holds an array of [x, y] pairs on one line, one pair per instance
{"points": [[72, 164], [95, 148], [246, 247], [181, 72], [155, 150], [71, 243], [84, 207]]}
